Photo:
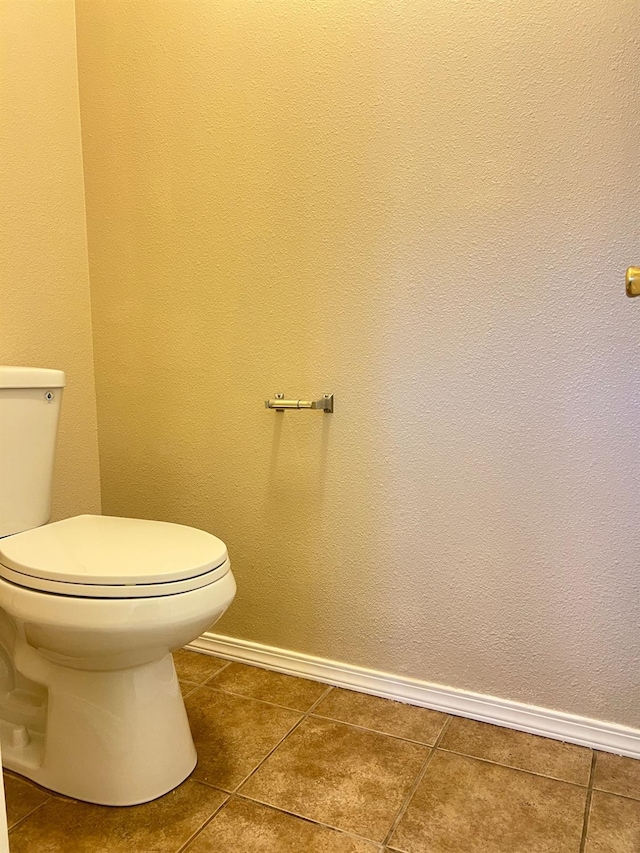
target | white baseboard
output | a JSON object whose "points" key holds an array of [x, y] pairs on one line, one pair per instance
{"points": [[596, 734]]}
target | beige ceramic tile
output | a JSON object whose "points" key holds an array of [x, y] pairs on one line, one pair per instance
{"points": [[382, 715], [617, 774], [467, 806], [245, 827], [162, 826], [22, 798], [517, 749], [296, 693], [614, 825], [233, 734], [196, 667], [187, 687], [339, 775]]}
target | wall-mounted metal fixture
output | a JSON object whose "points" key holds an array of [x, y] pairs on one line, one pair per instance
{"points": [[280, 404], [632, 281]]}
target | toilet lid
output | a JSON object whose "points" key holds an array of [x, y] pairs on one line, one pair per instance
{"points": [[112, 552]]}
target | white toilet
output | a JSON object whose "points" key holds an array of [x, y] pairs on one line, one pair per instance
{"points": [[90, 610]]}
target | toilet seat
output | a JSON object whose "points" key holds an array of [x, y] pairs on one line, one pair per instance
{"points": [[98, 556]]}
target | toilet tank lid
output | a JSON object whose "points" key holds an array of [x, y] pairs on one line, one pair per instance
{"points": [[31, 377]]}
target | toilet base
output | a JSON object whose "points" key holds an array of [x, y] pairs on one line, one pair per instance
{"points": [[115, 738]]}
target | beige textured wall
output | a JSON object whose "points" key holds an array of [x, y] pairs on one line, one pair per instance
{"points": [[426, 208], [45, 313]]}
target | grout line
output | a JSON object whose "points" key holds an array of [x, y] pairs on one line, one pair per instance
{"points": [[511, 767], [304, 716], [229, 661], [414, 787], [46, 791], [209, 677], [266, 701], [271, 807], [269, 754], [217, 672], [253, 699], [310, 712], [301, 816], [319, 699], [587, 805], [373, 731], [209, 785], [205, 824], [634, 799], [191, 685], [22, 819]]}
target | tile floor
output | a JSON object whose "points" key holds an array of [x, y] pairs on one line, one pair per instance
{"points": [[292, 766]]}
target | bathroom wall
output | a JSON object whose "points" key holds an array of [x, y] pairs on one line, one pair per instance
{"points": [[427, 209], [45, 313]]}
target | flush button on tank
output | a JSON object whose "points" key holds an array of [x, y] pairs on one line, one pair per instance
{"points": [[49, 396]]}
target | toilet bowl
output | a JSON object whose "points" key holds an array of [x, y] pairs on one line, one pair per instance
{"points": [[90, 610]]}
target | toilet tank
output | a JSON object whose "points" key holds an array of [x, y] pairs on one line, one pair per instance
{"points": [[30, 399]]}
